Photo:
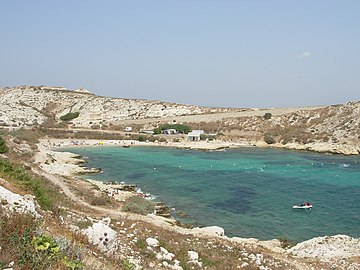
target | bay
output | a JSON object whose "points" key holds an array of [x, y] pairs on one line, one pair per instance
{"points": [[247, 191]]}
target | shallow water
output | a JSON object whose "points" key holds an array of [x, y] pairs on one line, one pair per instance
{"points": [[249, 191]]}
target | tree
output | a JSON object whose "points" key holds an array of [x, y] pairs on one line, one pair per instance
{"points": [[267, 116]]}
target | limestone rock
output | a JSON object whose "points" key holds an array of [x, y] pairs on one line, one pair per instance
{"points": [[327, 247], [211, 230], [102, 236], [152, 242], [193, 255], [15, 202]]}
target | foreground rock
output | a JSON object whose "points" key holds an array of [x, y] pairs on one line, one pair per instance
{"points": [[15, 202], [327, 247], [102, 236]]}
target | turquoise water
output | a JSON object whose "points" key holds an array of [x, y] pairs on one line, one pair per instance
{"points": [[249, 192]]}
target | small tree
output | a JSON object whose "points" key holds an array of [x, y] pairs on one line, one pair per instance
{"points": [[69, 116], [267, 116]]}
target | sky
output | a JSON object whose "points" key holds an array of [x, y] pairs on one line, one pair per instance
{"points": [[223, 53]]}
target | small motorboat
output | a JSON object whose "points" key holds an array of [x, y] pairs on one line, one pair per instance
{"points": [[304, 205]]}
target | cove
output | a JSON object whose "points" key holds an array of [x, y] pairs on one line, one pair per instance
{"points": [[247, 191]]}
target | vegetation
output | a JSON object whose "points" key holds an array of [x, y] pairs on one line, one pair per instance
{"points": [[208, 137], [268, 138], [139, 205], [101, 200], [31, 136], [267, 116], [3, 147], [19, 176], [69, 116], [179, 128], [23, 243]]}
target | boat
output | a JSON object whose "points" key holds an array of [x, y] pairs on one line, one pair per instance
{"points": [[304, 205]]}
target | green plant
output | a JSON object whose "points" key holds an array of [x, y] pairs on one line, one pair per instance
{"points": [[18, 175], [138, 205], [47, 245], [73, 264], [141, 138], [70, 116], [102, 200], [141, 243], [129, 265], [3, 147]]}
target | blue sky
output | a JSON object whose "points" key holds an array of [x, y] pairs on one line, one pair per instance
{"points": [[215, 53]]}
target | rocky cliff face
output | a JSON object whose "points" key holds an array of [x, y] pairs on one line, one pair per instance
{"points": [[33, 105]]}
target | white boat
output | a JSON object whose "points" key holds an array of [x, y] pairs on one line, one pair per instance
{"points": [[305, 205]]}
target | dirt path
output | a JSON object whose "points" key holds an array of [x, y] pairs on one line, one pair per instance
{"points": [[219, 116]]}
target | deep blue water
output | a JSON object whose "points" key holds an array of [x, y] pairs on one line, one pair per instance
{"points": [[249, 191]]}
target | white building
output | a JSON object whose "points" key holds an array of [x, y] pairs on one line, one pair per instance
{"points": [[128, 129], [195, 135]]}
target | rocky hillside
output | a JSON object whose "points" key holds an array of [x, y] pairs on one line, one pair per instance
{"points": [[333, 129], [33, 105]]}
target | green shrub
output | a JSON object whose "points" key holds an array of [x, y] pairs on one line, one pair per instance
{"points": [[129, 265], [18, 175], [69, 116], [3, 147], [267, 116], [268, 138], [139, 205], [102, 200], [179, 128], [22, 242]]}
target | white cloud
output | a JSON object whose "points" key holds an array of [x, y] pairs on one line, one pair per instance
{"points": [[306, 54]]}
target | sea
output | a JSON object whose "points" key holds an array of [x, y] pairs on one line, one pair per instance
{"points": [[247, 191]]}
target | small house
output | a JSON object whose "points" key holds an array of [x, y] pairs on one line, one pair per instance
{"points": [[195, 135]]}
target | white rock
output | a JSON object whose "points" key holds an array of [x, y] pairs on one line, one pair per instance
{"points": [[169, 256], [193, 255], [102, 236], [18, 203], [163, 250], [211, 230], [327, 247], [152, 242], [106, 221], [159, 256]]}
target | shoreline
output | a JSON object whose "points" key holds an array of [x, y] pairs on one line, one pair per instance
{"points": [[72, 165]]}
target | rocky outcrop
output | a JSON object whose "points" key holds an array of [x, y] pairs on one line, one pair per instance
{"points": [[327, 247], [102, 236], [17, 203]]}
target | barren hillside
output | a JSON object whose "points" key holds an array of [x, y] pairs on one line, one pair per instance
{"points": [[334, 128]]}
